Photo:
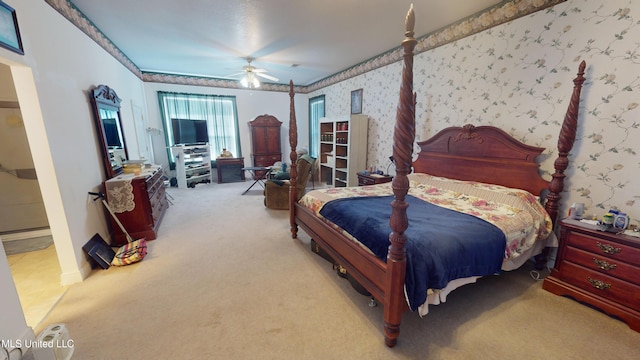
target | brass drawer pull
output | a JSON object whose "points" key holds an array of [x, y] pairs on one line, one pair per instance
{"points": [[601, 285], [608, 249], [602, 264]]}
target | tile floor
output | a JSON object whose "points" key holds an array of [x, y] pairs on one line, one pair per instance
{"points": [[37, 278]]}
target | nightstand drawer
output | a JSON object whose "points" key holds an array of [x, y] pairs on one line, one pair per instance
{"points": [[604, 265], [605, 248], [364, 180], [602, 285]]}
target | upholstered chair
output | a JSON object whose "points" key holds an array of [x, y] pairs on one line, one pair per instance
{"points": [[276, 192]]}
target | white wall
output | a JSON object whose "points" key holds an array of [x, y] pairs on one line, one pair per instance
{"points": [[61, 64], [249, 103]]}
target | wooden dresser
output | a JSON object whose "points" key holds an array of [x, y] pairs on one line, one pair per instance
{"points": [[265, 140], [139, 201], [598, 268]]}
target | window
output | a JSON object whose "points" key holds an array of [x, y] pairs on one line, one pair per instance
{"points": [[218, 112], [316, 111]]}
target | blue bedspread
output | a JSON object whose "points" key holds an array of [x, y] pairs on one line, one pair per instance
{"points": [[442, 244]]}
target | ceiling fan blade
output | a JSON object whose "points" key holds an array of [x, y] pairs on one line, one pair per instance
{"points": [[236, 74], [268, 77]]}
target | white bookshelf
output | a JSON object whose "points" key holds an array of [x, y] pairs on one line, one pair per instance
{"points": [[343, 149]]}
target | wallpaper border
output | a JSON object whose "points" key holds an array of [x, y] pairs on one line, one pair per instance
{"points": [[499, 14]]}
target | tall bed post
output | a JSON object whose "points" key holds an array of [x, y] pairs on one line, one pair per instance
{"points": [[403, 139], [565, 143], [293, 143]]}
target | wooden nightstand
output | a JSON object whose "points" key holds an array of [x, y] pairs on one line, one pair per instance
{"points": [[372, 179], [598, 268]]}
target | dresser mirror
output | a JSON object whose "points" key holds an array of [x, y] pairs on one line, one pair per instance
{"points": [[106, 111]]}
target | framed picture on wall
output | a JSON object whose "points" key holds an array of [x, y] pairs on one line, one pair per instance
{"points": [[356, 101], [9, 33]]}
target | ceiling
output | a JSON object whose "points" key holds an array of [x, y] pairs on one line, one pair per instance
{"points": [[304, 41]]}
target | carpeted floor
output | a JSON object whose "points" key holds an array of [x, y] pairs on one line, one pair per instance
{"points": [[224, 280]]}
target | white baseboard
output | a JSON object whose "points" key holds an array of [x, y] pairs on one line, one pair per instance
{"points": [[30, 234], [76, 276]]}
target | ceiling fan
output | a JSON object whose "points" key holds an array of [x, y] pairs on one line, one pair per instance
{"points": [[251, 74]]}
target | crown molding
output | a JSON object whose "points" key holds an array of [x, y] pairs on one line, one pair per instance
{"points": [[499, 14]]}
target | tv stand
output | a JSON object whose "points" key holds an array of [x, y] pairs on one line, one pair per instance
{"points": [[193, 164]]}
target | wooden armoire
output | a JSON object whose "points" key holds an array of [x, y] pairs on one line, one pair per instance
{"points": [[265, 140]]}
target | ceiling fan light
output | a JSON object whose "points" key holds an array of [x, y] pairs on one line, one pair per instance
{"points": [[250, 81]]}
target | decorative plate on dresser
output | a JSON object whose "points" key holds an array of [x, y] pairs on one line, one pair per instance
{"points": [[598, 268]]}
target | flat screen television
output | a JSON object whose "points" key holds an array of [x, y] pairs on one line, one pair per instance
{"points": [[111, 133], [186, 131]]}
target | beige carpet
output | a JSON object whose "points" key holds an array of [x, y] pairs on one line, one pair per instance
{"points": [[224, 280]]}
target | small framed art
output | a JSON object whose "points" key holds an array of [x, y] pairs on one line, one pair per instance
{"points": [[9, 33], [356, 101]]}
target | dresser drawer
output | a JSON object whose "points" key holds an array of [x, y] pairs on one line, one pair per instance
{"points": [[154, 182], [158, 209], [602, 285], [157, 197], [604, 265], [604, 247], [154, 178], [266, 160], [153, 188]]}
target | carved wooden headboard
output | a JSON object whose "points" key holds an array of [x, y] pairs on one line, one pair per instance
{"points": [[484, 153]]}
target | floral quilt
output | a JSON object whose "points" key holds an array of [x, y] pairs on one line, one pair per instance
{"points": [[517, 213]]}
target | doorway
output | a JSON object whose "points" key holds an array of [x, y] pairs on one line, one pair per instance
{"points": [[24, 226]]}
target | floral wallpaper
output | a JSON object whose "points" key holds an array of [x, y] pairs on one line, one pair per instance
{"points": [[518, 76]]}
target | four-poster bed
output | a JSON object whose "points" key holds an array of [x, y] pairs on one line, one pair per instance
{"points": [[465, 154]]}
